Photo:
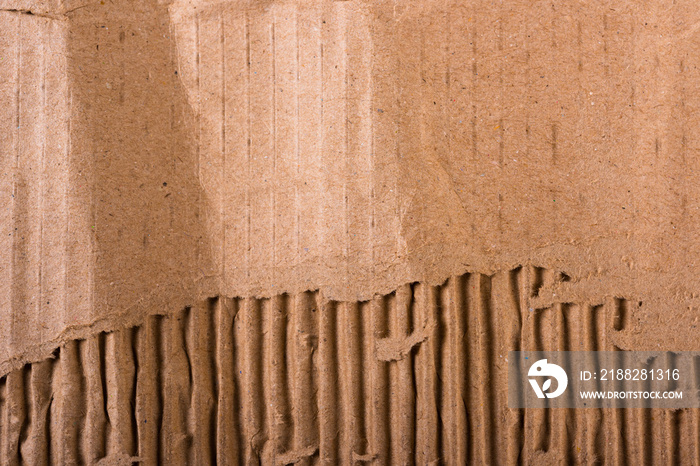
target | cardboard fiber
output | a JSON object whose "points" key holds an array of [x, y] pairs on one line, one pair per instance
{"points": [[159, 154], [156, 152], [417, 376]]}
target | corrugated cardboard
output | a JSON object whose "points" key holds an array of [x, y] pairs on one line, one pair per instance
{"points": [[158, 154], [99, 187], [415, 376]]}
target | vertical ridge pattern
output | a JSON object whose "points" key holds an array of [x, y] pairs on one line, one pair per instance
{"points": [[40, 389], [350, 349], [402, 404], [304, 342], [16, 417], [203, 342], [95, 434], [175, 435], [282, 380], [227, 428], [427, 366], [251, 374], [120, 383], [328, 377], [377, 327], [276, 378], [148, 383]]}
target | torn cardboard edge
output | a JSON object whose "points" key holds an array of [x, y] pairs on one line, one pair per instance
{"points": [[160, 303], [154, 304], [243, 369], [624, 272], [552, 291]]}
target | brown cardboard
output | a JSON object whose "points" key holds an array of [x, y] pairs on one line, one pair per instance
{"points": [[299, 379], [158, 154], [99, 213], [247, 149]]}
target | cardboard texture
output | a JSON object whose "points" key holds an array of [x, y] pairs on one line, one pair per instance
{"points": [[417, 376], [155, 155]]}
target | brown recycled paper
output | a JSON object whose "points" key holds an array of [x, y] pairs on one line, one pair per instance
{"points": [[156, 153]]}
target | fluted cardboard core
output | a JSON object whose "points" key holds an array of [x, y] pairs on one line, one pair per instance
{"points": [[158, 154]]}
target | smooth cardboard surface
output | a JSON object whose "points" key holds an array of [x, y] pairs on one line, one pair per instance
{"points": [[155, 152]]}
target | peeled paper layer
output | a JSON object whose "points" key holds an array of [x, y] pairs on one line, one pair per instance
{"points": [[155, 153]]}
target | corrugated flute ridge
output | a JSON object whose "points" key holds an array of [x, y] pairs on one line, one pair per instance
{"points": [[415, 376]]}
